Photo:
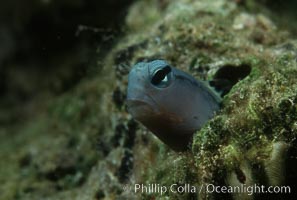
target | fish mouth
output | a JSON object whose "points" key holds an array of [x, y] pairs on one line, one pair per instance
{"points": [[138, 105], [141, 108]]}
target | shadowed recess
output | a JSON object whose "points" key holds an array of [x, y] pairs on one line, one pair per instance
{"points": [[227, 76]]}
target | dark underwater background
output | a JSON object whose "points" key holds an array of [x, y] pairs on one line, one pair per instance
{"points": [[64, 129]]}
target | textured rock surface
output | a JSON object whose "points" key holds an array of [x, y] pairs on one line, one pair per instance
{"points": [[86, 146]]}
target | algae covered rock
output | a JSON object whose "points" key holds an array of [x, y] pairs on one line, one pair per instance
{"points": [[85, 145], [251, 141]]}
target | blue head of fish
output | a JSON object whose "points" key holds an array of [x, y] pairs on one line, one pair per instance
{"points": [[169, 102]]}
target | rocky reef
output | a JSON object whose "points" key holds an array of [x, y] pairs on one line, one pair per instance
{"points": [[84, 145]]}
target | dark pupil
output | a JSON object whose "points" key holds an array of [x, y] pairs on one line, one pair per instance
{"points": [[160, 75]]}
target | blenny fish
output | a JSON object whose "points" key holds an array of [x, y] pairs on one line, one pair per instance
{"points": [[169, 102]]}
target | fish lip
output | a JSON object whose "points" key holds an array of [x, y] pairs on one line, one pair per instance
{"points": [[133, 102], [142, 107], [136, 102], [138, 109]]}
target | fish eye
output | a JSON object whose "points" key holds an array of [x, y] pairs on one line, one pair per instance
{"points": [[161, 77]]}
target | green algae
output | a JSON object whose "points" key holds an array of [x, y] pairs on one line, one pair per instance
{"points": [[76, 148], [251, 120]]}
